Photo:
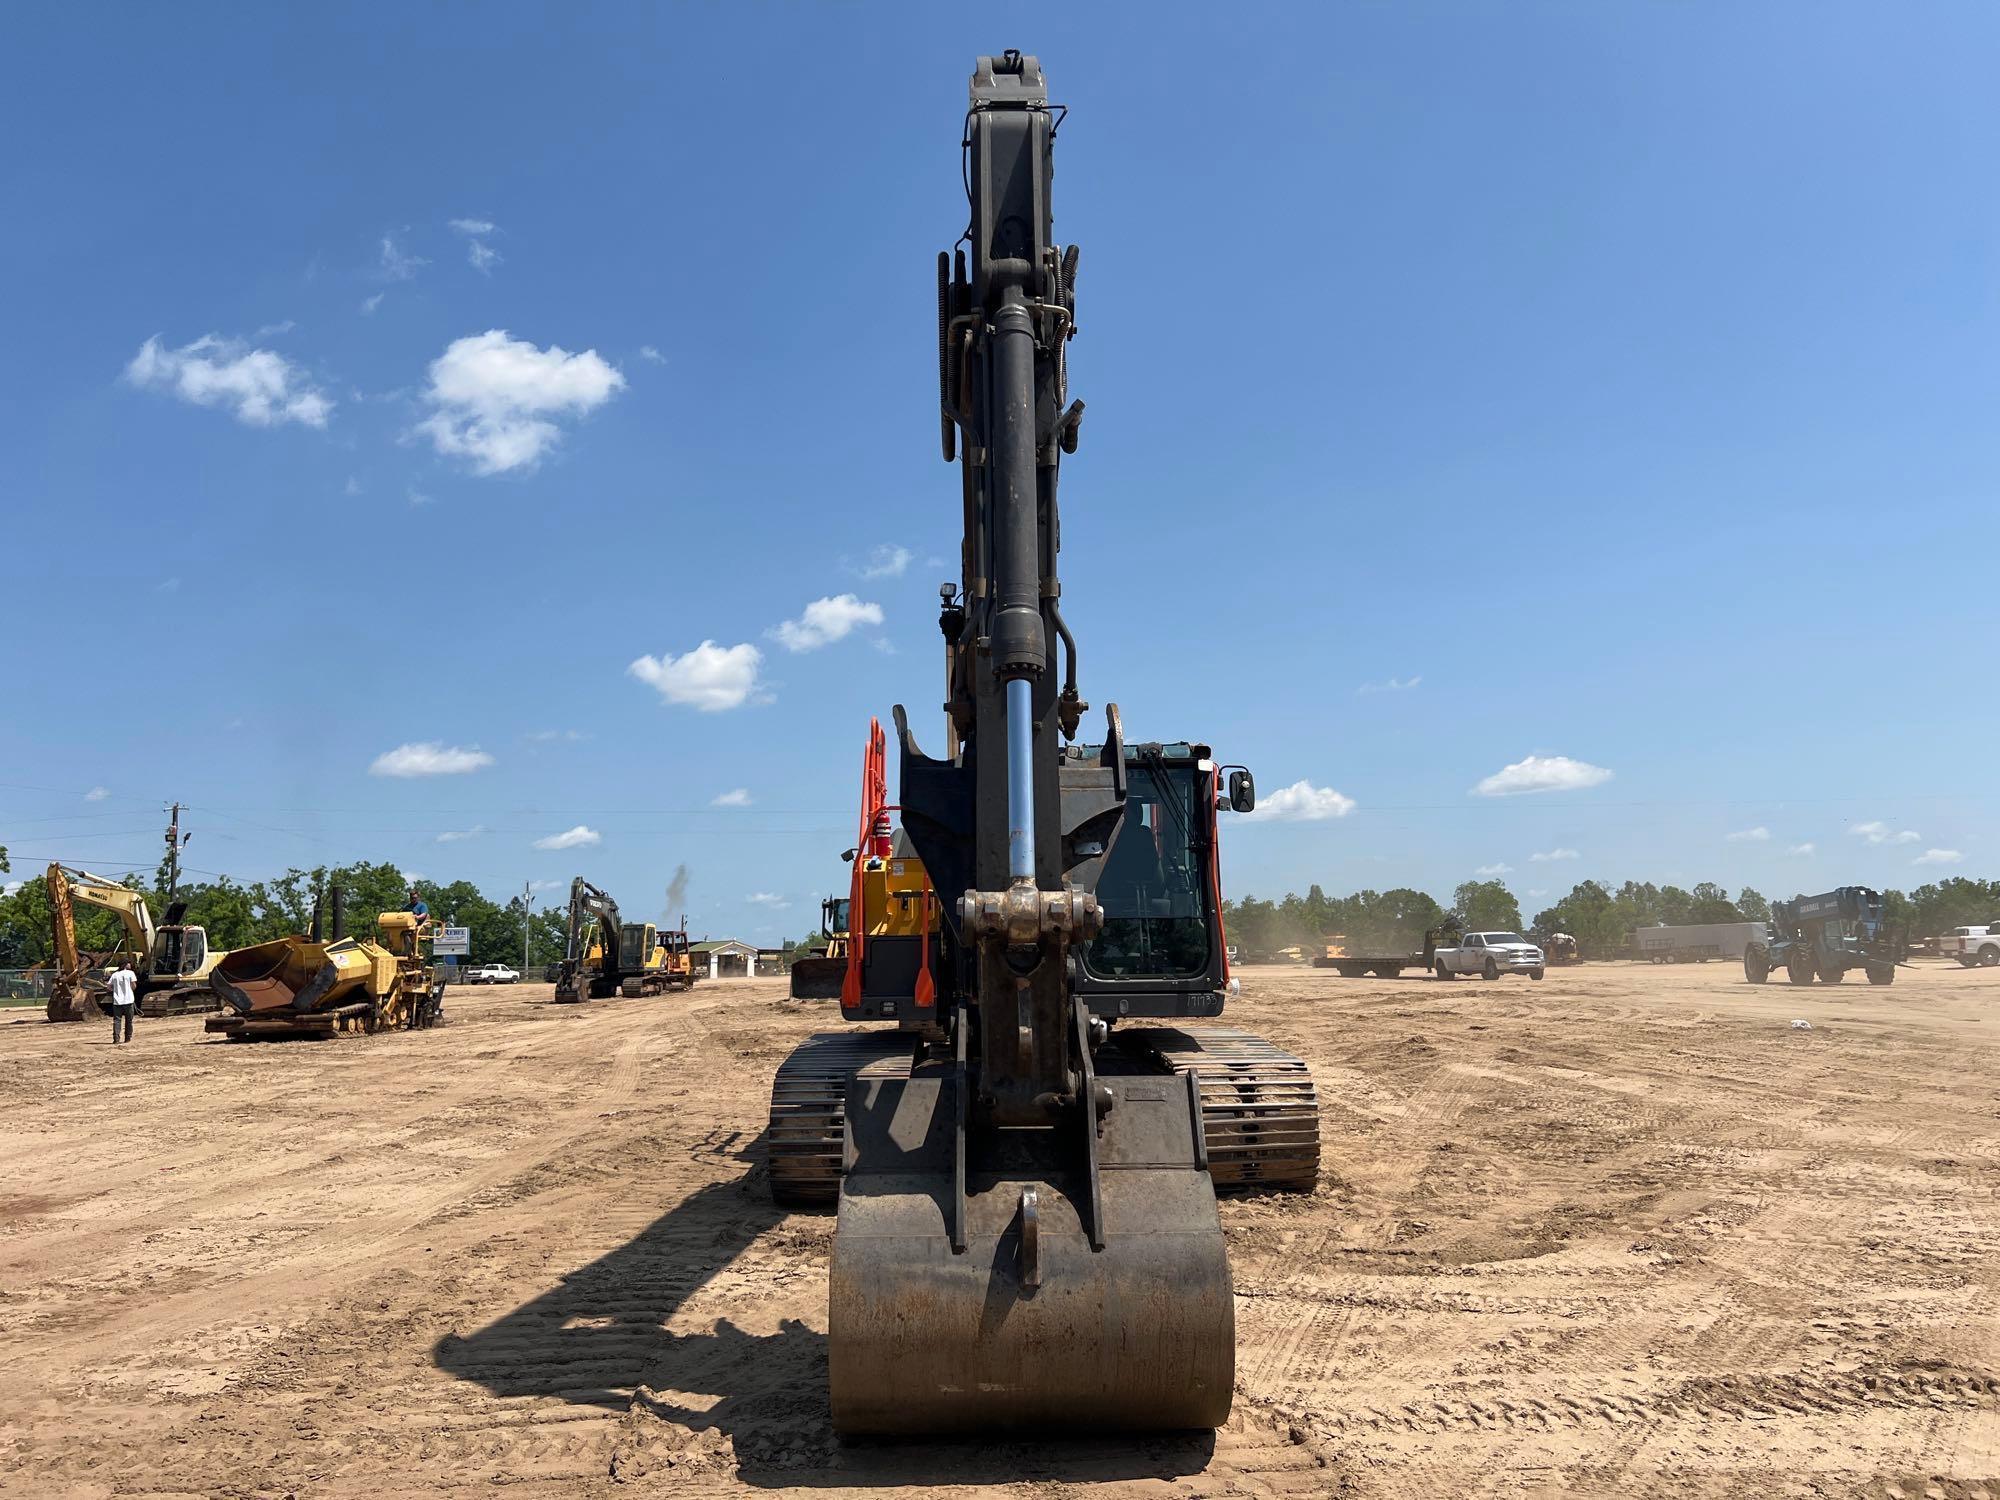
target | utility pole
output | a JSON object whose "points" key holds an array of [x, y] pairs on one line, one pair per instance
{"points": [[174, 843], [527, 922]]}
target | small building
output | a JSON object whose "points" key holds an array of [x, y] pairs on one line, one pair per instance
{"points": [[724, 958]]}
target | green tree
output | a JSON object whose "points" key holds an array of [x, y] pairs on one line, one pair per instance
{"points": [[225, 910], [1252, 925], [1752, 906], [1712, 904], [1593, 916], [1487, 906], [1676, 906]]}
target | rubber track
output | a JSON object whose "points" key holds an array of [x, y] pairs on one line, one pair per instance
{"points": [[1260, 1110], [806, 1136], [1259, 1107]]}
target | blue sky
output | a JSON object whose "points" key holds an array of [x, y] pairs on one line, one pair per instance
{"points": [[1568, 388]]}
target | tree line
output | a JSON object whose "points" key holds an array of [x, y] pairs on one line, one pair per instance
{"points": [[1602, 919], [237, 916]]}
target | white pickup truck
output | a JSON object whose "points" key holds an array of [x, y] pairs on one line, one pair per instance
{"points": [[1972, 946], [492, 974], [1488, 954]]}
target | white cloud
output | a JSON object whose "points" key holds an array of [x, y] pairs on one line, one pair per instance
{"points": [[1486, 872], [1535, 893], [1938, 857], [352, 487], [734, 797], [369, 304], [1552, 855], [419, 498], [1392, 685], [651, 355], [11, 887], [1542, 773], [547, 885], [496, 399], [1882, 833], [257, 386], [482, 257], [1757, 835], [887, 561], [767, 898], [474, 227], [1802, 849], [270, 330], [571, 838], [1301, 802], [825, 621], [429, 758], [395, 265], [97, 794], [710, 677], [168, 585], [458, 835], [549, 736]]}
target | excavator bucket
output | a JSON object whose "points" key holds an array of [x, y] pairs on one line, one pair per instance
{"points": [[1018, 1302]]}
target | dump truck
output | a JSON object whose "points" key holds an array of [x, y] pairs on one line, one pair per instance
{"points": [[303, 987], [605, 956], [1822, 937], [1027, 1233], [172, 960]]}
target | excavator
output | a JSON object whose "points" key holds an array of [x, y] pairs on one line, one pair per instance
{"points": [[885, 949], [172, 960], [603, 956], [1027, 1235]]}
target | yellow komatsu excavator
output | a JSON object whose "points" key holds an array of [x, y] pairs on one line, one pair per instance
{"points": [[172, 959]]}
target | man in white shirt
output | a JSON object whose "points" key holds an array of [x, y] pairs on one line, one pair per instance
{"points": [[124, 1001]]}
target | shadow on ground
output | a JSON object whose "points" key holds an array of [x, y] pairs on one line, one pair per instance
{"points": [[707, 1403]]}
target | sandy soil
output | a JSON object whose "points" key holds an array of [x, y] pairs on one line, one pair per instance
{"points": [[1624, 1231]]}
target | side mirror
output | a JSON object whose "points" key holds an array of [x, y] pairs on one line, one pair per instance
{"points": [[1242, 791], [847, 855]]}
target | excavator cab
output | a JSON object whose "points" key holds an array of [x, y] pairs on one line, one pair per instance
{"points": [[1161, 944]]}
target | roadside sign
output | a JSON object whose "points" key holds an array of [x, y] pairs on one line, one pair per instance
{"points": [[453, 942]]}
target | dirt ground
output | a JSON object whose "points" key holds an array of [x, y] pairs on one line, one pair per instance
{"points": [[1628, 1230]]}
